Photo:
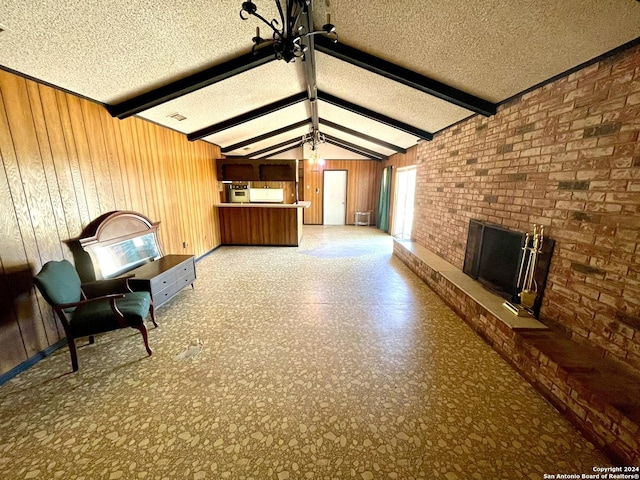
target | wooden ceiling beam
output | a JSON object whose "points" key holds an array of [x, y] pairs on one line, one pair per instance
{"points": [[378, 117], [405, 76], [248, 116], [362, 136], [353, 147], [354, 150], [286, 149], [275, 147], [265, 136], [191, 83]]}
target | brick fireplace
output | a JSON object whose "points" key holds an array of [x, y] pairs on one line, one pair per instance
{"points": [[565, 155]]}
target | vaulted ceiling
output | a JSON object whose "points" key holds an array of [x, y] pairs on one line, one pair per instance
{"points": [[401, 70]]}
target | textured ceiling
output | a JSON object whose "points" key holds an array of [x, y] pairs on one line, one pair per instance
{"points": [[232, 97], [267, 123], [114, 50], [327, 150], [294, 135], [355, 140], [384, 96], [493, 49], [111, 50], [373, 128]]}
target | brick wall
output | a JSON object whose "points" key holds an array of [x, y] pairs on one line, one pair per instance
{"points": [[566, 156]]}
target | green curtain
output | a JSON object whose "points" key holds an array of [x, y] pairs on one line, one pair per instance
{"points": [[382, 218]]}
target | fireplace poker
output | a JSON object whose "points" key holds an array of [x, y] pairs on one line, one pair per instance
{"points": [[532, 259], [527, 295], [537, 251], [524, 254], [541, 239], [537, 248], [527, 272]]}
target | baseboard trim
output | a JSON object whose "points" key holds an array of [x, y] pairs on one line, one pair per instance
{"points": [[207, 253], [5, 377]]}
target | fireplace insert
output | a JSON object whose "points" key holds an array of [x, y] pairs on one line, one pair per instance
{"points": [[493, 257]]}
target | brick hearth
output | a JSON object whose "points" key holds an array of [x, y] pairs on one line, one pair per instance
{"points": [[598, 395]]}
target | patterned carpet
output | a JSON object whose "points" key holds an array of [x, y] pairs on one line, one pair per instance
{"points": [[289, 363]]}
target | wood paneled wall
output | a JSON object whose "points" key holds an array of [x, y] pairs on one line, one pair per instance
{"points": [[65, 162], [363, 188]]}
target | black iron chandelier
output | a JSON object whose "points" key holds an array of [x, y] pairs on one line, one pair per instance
{"points": [[313, 138], [288, 32]]}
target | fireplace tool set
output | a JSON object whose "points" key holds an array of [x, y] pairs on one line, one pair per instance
{"points": [[526, 275]]}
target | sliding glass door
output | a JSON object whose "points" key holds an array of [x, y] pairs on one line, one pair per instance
{"points": [[405, 191]]}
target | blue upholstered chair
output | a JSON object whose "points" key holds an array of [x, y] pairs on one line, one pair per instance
{"points": [[80, 316]]}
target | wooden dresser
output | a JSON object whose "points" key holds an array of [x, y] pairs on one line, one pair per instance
{"points": [[164, 277], [126, 244]]}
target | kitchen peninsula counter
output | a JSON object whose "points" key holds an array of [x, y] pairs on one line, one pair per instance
{"points": [[265, 205], [276, 224]]}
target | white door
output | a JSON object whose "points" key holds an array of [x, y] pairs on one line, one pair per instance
{"points": [[334, 202], [403, 205]]}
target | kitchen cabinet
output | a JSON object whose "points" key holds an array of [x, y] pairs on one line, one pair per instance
{"points": [[247, 170]]}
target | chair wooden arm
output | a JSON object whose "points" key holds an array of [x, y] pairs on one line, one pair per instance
{"points": [[112, 303], [112, 297], [126, 279], [104, 287], [59, 282]]}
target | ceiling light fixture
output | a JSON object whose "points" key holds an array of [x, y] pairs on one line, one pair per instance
{"points": [[288, 32], [315, 159], [314, 139]]}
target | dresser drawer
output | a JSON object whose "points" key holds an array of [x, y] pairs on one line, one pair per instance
{"points": [[165, 277], [161, 282], [185, 268], [185, 280], [163, 295]]}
